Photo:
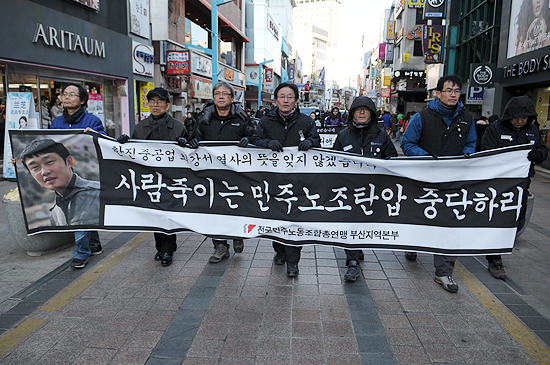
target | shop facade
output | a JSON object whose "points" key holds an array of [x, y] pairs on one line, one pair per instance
{"points": [[55, 48]]}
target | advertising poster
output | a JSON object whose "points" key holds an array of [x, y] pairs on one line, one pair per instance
{"points": [[529, 26], [20, 114], [139, 22], [177, 62], [268, 82], [432, 43], [144, 103], [452, 205]]}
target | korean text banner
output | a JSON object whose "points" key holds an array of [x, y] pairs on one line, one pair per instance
{"points": [[455, 206]]}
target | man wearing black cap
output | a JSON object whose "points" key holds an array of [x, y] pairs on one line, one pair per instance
{"points": [[160, 126], [363, 137], [76, 199]]}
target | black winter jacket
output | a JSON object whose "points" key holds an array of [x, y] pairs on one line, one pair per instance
{"points": [[274, 127], [176, 129], [369, 141], [233, 127]]}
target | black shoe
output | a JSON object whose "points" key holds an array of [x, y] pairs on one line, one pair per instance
{"points": [[166, 259], [158, 256], [292, 270], [353, 271], [78, 263], [96, 249], [496, 269], [361, 256], [279, 259], [411, 256]]}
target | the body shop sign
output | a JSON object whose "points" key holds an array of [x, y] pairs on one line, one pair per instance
{"points": [[177, 62], [143, 58]]}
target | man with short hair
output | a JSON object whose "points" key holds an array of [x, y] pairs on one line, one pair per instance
{"points": [[75, 101], [445, 128], [223, 120], [285, 126], [261, 112], [160, 126], [76, 199]]}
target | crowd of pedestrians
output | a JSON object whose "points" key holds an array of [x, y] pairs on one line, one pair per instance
{"points": [[444, 128]]}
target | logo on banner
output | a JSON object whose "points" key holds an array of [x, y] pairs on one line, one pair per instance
{"points": [[436, 3], [249, 227], [483, 75]]}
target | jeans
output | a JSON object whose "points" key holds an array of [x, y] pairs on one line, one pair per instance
{"points": [[85, 239]]}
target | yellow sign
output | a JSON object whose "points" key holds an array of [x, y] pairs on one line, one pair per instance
{"points": [[416, 3], [405, 57], [143, 102], [387, 80]]}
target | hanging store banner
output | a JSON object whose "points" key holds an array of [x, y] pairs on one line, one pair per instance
{"points": [[452, 206], [390, 34], [177, 62], [432, 43], [268, 81], [435, 9]]}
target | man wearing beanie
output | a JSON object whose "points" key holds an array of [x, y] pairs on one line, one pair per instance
{"points": [[285, 126], [160, 126], [363, 137]]}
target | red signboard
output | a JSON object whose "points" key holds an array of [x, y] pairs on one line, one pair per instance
{"points": [[385, 92], [177, 62]]}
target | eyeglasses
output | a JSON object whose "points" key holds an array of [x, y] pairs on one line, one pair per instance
{"points": [[71, 95], [222, 93], [157, 102], [451, 91], [285, 97], [362, 109]]}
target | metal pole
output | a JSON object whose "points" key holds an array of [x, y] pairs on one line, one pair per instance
{"points": [[214, 24]]}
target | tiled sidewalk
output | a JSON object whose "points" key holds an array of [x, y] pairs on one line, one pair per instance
{"points": [[245, 310]]}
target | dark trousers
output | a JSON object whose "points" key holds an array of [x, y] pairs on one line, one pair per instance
{"points": [[493, 257], [444, 265], [165, 242], [353, 255], [222, 242], [290, 253]]}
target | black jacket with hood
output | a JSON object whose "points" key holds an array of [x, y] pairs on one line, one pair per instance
{"points": [[289, 133], [369, 141], [503, 134], [233, 127]]}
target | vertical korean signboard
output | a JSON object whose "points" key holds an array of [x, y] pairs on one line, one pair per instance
{"points": [[177, 62], [268, 84], [432, 43]]}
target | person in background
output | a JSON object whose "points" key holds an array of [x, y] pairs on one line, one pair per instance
{"points": [[481, 124], [57, 109], [334, 118], [312, 115], [190, 123], [386, 118], [160, 126], [445, 128], [223, 120], [285, 126], [518, 125], [363, 137], [260, 113], [45, 113]]}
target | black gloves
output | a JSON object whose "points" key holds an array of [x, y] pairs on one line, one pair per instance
{"points": [[194, 143], [305, 145], [275, 145], [535, 156], [182, 142], [123, 138], [243, 142]]}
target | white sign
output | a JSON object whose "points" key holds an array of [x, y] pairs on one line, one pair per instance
{"points": [[143, 58], [159, 19], [139, 18], [201, 65]]}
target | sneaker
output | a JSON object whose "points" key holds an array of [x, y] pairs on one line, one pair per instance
{"points": [[78, 263], [447, 283], [220, 252], [411, 256], [96, 250], [353, 271], [497, 269], [292, 270], [279, 259], [238, 246]]}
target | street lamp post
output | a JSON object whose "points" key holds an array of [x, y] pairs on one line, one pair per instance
{"points": [[214, 51], [260, 73]]}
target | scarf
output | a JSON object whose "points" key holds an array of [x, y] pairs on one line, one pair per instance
{"points": [[72, 118], [286, 116], [358, 125], [159, 128]]}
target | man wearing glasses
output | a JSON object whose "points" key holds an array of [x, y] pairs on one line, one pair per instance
{"points": [[285, 126], [442, 129], [223, 120], [160, 126]]}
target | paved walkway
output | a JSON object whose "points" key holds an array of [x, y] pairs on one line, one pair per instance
{"points": [[124, 308]]}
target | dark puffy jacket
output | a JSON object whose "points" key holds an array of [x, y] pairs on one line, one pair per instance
{"points": [[176, 129], [86, 120], [274, 127], [233, 127], [503, 134]]}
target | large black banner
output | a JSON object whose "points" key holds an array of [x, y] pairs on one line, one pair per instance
{"points": [[462, 206]]}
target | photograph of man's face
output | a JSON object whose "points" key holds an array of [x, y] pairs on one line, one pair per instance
{"points": [[58, 177]]}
